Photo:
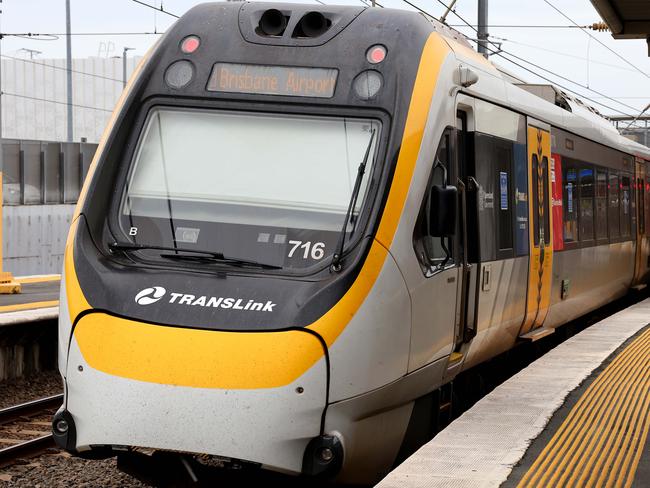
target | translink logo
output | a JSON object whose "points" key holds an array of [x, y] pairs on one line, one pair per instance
{"points": [[155, 293]]}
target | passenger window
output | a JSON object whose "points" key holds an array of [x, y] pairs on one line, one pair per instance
{"points": [[601, 204], [640, 184], [570, 199], [586, 204], [613, 214], [646, 190], [430, 249], [625, 206]]}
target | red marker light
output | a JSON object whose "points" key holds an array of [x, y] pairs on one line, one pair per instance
{"points": [[376, 54], [190, 44]]}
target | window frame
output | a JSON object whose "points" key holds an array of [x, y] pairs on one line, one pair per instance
{"points": [[431, 266], [380, 181], [599, 170]]}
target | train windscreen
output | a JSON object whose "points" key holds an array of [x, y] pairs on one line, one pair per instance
{"points": [[256, 185]]}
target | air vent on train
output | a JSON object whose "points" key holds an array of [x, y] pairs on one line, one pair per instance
{"points": [[312, 24], [272, 23]]}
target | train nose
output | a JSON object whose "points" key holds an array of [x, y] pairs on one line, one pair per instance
{"points": [[255, 397]]}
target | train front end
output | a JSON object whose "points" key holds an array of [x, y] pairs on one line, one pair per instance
{"points": [[227, 276]]}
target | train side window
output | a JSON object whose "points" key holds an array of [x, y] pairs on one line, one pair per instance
{"points": [[613, 213], [570, 202], [640, 184], [586, 220], [625, 205], [647, 205], [429, 249], [601, 204]]}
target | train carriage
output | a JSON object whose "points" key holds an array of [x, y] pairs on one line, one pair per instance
{"points": [[303, 220]]}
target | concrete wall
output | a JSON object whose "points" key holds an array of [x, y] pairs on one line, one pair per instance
{"points": [[35, 95], [34, 238]]}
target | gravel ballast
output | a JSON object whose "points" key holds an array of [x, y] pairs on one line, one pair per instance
{"points": [[59, 469], [24, 389]]}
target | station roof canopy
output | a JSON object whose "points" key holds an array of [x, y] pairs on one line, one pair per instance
{"points": [[627, 19]]}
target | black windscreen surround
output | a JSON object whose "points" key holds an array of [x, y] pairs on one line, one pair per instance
{"points": [[217, 181]]}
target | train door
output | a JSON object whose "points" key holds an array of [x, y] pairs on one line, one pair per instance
{"points": [[466, 313], [540, 268], [640, 195]]}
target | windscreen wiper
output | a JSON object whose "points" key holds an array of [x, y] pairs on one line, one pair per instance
{"points": [[336, 259], [194, 254], [219, 258]]}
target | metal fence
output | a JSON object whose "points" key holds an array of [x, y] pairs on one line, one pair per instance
{"points": [[44, 173]]}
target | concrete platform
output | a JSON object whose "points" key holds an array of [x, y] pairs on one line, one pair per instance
{"points": [[579, 416], [38, 300]]}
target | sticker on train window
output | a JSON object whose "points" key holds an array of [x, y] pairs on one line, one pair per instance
{"points": [[189, 235], [503, 185]]}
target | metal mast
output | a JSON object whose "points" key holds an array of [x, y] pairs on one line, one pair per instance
{"points": [[68, 39], [482, 27]]}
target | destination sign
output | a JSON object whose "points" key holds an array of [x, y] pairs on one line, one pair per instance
{"points": [[273, 80]]}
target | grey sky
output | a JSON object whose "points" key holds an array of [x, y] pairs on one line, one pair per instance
{"points": [[562, 51]]}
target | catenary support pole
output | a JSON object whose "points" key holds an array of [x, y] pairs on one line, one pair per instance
{"points": [[482, 27], [68, 42], [124, 79]]}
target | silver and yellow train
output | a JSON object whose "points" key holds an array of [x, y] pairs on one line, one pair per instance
{"points": [[304, 220]]}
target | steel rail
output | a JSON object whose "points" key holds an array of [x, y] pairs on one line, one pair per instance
{"points": [[24, 411], [29, 409]]}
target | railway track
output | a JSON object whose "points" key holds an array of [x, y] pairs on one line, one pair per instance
{"points": [[25, 428]]}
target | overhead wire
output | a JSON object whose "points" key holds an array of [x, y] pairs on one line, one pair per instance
{"points": [[161, 9], [582, 95], [48, 100], [32, 35], [559, 53], [596, 39], [61, 68], [512, 26], [500, 53]]}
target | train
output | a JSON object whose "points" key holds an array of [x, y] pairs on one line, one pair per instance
{"points": [[303, 221]]}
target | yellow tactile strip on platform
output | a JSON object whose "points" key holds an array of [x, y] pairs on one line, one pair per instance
{"points": [[601, 441], [28, 306]]}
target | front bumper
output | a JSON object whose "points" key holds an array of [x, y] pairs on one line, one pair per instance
{"points": [[269, 426]]}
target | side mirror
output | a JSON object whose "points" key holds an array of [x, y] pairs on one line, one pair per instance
{"points": [[442, 211]]}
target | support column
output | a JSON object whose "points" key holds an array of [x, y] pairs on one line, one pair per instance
{"points": [[482, 27]]}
